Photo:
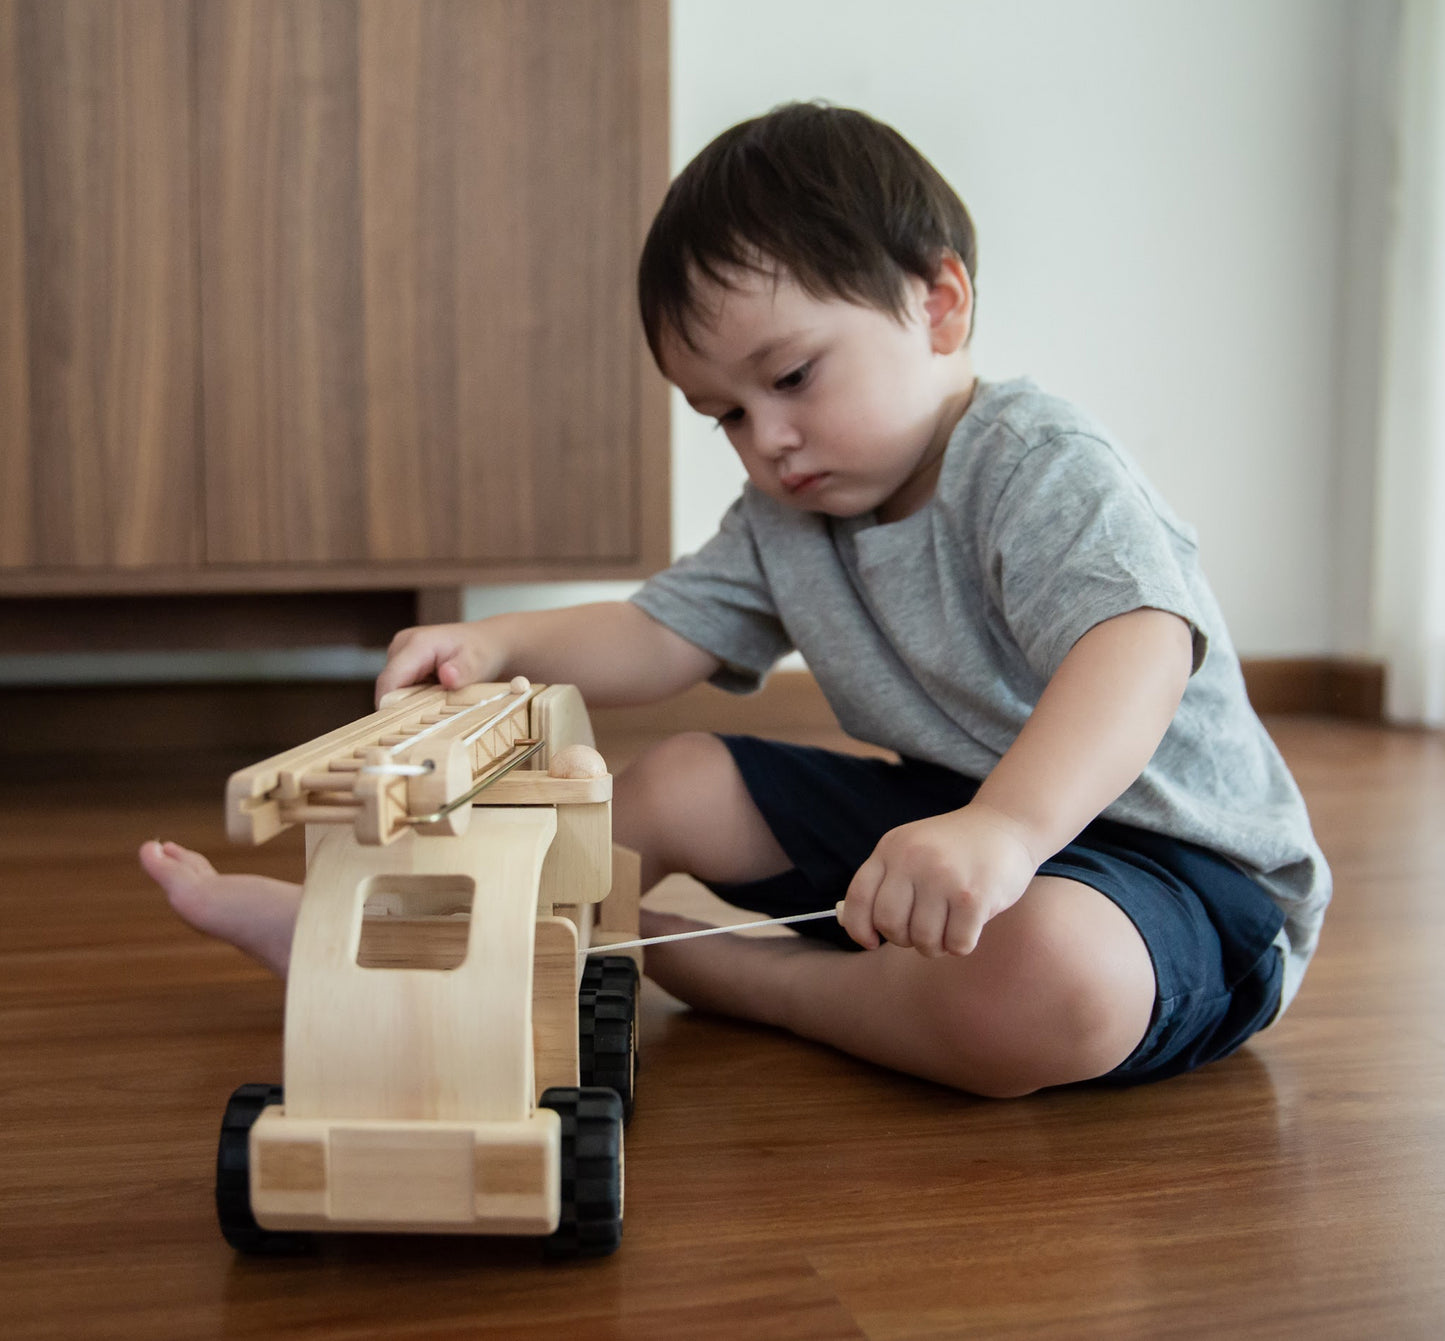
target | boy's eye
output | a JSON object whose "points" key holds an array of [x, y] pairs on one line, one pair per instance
{"points": [[796, 378], [733, 416]]}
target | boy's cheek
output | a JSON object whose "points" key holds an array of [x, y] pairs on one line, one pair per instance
{"points": [[763, 474]]}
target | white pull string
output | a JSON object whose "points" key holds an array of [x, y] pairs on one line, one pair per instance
{"points": [[716, 931]]}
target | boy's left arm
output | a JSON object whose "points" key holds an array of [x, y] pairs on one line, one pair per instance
{"points": [[933, 884]]}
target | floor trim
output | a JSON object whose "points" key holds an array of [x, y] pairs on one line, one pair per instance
{"points": [[1321, 686]]}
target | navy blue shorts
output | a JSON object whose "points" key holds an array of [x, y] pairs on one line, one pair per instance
{"points": [[1209, 928]]}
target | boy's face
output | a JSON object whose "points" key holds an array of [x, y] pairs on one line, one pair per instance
{"points": [[832, 407]]}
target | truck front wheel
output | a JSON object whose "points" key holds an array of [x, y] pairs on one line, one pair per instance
{"points": [[233, 1179], [591, 1223]]}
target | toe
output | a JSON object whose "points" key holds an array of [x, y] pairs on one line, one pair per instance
{"points": [[182, 874], [154, 859], [194, 862]]}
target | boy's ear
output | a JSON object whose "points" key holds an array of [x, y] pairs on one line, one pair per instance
{"points": [[949, 304]]}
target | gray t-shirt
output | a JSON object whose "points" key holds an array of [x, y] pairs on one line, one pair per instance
{"points": [[934, 636]]}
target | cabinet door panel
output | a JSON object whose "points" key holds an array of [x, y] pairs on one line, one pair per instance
{"points": [[98, 322], [419, 225], [280, 230]]}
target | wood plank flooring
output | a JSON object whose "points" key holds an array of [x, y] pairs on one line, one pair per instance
{"points": [[774, 1189]]}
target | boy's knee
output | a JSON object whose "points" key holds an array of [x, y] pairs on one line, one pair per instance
{"points": [[1099, 1025], [1084, 1037], [1075, 995], [688, 750], [679, 799], [684, 805], [671, 771]]}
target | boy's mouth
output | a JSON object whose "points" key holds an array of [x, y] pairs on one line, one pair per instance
{"points": [[802, 483]]}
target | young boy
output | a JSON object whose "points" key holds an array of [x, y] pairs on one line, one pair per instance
{"points": [[1090, 861]]}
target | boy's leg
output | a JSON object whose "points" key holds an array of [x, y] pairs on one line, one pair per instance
{"points": [[1060, 989], [252, 912], [683, 807]]}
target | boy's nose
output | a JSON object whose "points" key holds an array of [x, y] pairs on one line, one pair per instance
{"points": [[775, 434]]}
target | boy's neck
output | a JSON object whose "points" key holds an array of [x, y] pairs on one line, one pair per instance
{"points": [[958, 396]]}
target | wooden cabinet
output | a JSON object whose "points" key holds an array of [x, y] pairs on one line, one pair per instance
{"points": [[325, 293], [99, 416]]}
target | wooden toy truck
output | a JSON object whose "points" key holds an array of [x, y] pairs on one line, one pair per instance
{"points": [[456, 1061]]}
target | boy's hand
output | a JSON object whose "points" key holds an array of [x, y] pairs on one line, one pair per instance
{"points": [[934, 883], [451, 654]]}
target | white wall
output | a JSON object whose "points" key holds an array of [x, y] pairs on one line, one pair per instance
{"points": [[1181, 218]]}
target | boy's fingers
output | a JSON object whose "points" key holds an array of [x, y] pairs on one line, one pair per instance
{"points": [[393, 676], [399, 640], [857, 915], [411, 664], [456, 670], [926, 927], [893, 909], [960, 936]]}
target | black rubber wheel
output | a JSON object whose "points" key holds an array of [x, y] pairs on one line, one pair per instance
{"points": [[233, 1179], [610, 973], [591, 1223], [607, 1027]]}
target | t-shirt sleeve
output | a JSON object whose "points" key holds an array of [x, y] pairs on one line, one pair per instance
{"points": [[719, 600], [1077, 538]]}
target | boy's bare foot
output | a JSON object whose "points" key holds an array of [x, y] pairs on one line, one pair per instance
{"points": [[252, 912]]}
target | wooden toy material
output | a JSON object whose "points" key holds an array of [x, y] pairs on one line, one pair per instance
{"points": [[449, 1044]]}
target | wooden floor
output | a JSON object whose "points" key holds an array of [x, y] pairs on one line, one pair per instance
{"points": [[774, 1189]]}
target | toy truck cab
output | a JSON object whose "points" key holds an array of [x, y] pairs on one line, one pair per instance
{"points": [[455, 1062]]}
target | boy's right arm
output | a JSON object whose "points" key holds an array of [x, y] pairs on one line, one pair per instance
{"points": [[614, 653]]}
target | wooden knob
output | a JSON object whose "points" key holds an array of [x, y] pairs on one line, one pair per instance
{"points": [[577, 761], [449, 775], [520, 684]]}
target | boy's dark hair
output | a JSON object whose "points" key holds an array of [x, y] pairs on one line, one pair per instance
{"points": [[841, 202]]}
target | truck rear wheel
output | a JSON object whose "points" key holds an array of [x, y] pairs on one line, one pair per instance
{"points": [[607, 1027]]}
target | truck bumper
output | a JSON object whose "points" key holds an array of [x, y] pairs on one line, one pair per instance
{"points": [[384, 1176]]}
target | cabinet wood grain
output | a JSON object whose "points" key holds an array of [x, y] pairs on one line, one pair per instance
{"points": [[98, 319], [323, 294], [419, 223]]}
